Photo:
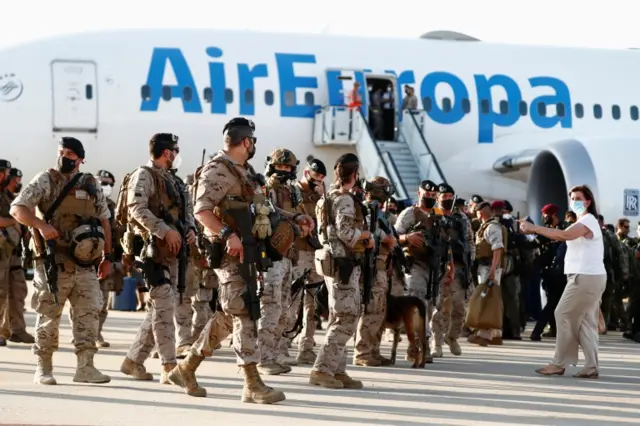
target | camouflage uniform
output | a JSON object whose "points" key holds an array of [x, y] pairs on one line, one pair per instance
{"points": [[617, 266], [147, 194], [450, 306], [342, 233], [76, 283]]}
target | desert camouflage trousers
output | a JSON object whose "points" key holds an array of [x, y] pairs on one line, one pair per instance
{"points": [[417, 286], [372, 319], [448, 318], [274, 309], [13, 292]]}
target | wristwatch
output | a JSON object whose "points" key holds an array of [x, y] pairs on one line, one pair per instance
{"points": [[225, 233], [108, 257]]}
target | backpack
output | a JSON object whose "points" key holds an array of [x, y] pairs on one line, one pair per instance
{"points": [[121, 211]]}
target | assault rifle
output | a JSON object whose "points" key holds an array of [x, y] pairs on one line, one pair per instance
{"points": [[183, 255], [370, 255], [436, 252], [399, 259], [50, 266]]}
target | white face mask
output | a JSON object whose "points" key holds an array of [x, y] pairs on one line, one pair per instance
{"points": [[177, 161], [106, 190], [506, 216]]}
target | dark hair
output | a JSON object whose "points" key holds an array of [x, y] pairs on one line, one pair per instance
{"points": [[588, 195], [343, 172], [159, 142], [570, 214], [622, 221]]}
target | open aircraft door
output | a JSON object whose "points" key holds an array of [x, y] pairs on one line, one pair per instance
{"points": [[340, 86], [75, 96]]}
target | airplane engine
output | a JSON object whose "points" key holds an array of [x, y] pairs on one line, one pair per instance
{"points": [[606, 165]]}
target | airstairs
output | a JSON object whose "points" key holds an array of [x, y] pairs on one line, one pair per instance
{"points": [[405, 162]]}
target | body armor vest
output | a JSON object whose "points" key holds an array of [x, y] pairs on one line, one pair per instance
{"points": [[426, 223], [358, 223], [307, 206], [286, 200], [76, 220], [483, 248], [457, 236]]}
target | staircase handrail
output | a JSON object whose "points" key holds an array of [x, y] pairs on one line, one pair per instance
{"points": [[426, 145]]}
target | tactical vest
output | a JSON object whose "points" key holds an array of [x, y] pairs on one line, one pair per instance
{"points": [[286, 199], [307, 206], [483, 248], [76, 220], [457, 236], [9, 236], [420, 254], [358, 223]]}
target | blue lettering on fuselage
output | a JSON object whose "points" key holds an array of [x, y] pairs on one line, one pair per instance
{"points": [[292, 82]]}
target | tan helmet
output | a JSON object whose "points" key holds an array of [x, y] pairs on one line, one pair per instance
{"points": [[379, 188], [282, 157]]}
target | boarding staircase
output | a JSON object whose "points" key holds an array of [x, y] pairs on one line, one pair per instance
{"points": [[405, 162]]}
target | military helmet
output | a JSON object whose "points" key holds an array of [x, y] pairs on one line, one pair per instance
{"points": [[379, 188], [282, 157]]}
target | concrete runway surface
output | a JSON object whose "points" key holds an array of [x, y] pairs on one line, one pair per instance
{"points": [[484, 386]]}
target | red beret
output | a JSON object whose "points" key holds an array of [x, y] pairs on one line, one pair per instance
{"points": [[550, 209], [497, 204]]}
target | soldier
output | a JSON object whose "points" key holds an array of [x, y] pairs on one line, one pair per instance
{"points": [[341, 225], [311, 188], [632, 286], [450, 309], [412, 225], [627, 287], [474, 203], [617, 266], [391, 211], [73, 217], [281, 170], [552, 271], [150, 205], [491, 243], [12, 324], [228, 189], [369, 333]]}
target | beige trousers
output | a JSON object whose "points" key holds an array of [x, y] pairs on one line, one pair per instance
{"points": [[577, 320]]}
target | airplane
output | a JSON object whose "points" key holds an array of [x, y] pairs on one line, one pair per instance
{"points": [[506, 122]]}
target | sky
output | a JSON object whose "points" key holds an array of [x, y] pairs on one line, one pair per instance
{"points": [[586, 23]]}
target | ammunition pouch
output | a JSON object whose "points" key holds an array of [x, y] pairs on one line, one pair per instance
{"points": [[87, 243], [215, 253], [154, 273], [323, 261], [282, 237], [344, 267]]}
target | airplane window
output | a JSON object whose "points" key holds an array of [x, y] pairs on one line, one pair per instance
{"points": [[579, 111], [166, 93], [207, 94], [88, 91], [484, 106], [560, 110], [466, 106], [289, 98], [187, 93], [145, 92], [268, 97], [504, 107], [248, 97], [542, 109], [228, 96], [308, 99], [522, 108], [634, 113], [446, 105], [597, 111], [615, 112], [427, 104]]}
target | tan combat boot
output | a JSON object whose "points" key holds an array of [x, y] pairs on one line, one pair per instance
{"points": [[166, 369], [272, 368], [306, 357], [135, 370], [454, 346], [184, 375], [44, 371], [347, 381], [255, 390], [286, 360], [182, 351], [325, 380], [86, 372], [101, 343], [437, 352], [367, 362]]}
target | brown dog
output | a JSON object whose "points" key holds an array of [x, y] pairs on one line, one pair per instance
{"points": [[410, 312]]}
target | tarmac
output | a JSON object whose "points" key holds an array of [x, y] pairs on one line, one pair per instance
{"points": [[485, 386]]}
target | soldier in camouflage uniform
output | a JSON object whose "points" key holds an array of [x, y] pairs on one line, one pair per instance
{"points": [[227, 182], [617, 265], [369, 333], [342, 232], [150, 204], [14, 282], [83, 208], [629, 288]]}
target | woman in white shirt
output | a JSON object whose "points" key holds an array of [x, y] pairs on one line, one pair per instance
{"points": [[577, 313]]}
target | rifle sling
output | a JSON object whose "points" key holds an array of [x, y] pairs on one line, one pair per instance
{"points": [[65, 191]]}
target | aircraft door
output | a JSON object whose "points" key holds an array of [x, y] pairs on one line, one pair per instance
{"points": [[346, 121], [75, 101]]}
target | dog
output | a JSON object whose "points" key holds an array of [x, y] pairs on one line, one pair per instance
{"points": [[410, 312]]}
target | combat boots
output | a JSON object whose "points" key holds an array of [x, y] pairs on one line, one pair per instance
{"points": [[101, 343], [183, 351], [22, 337], [325, 380], [44, 371], [166, 369], [437, 351], [255, 390], [184, 375], [272, 368], [306, 357], [348, 382], [135, 370], [454, 346], [86, 372]]}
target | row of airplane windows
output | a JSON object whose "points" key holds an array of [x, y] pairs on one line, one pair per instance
{"points": [[446, 104]]}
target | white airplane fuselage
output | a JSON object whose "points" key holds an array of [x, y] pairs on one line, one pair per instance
{"points": [[113, 90]]}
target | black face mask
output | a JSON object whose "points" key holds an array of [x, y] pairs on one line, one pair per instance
{"points": [[66, 165], [427, 202], [548, 220], [18, 188], [447, 204], [282, 176], [251, 151]]}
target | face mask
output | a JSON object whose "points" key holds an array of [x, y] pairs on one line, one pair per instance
{"points": [[548, 220], [446, 204], [282, 176], [507, 216], [427, 202], [577, 206], [18, 188], [251, 152], [176, 162], [106, 190], [66, 165]]}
